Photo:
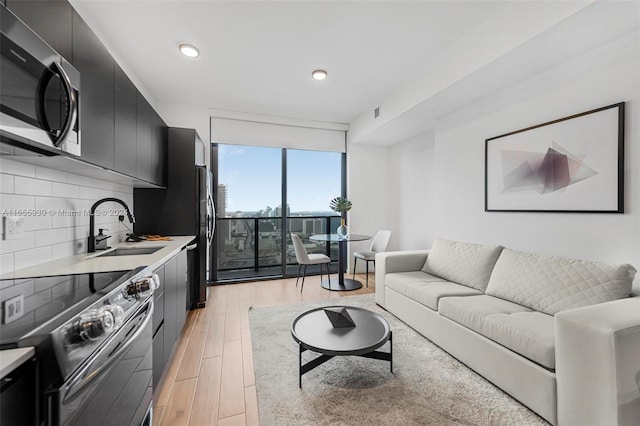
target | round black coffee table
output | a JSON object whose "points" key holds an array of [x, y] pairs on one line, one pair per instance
{"points": [[314, 331]]}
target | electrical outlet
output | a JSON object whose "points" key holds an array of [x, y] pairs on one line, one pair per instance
{"points": [[13, 227], [13, 308]]}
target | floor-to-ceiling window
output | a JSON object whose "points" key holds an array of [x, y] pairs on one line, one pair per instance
{"points": [[263, 194], [313, 178]]}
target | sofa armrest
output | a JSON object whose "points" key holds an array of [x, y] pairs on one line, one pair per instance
{"points": [[598, 364], [396, 261]]}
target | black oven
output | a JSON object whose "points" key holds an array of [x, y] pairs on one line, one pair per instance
{"points": [[39, 94], [114, 386], [93, 337]]}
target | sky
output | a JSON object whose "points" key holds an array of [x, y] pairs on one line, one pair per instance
{"points": [[253, 176]]}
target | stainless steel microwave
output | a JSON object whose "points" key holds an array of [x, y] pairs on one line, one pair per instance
{"points": [[39, 94]]}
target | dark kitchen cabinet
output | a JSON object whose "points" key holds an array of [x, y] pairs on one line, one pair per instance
{"points": [[171, 331], [158, 328], [170, 311], [158, 356], [125, 116], [181, 296], [96, 68], [159, 149], [19, 396], [144, 160], [151, 148], [119, 129], [50, 19]]}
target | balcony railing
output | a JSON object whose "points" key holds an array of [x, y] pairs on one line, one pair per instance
{"points": [[255, 243]]}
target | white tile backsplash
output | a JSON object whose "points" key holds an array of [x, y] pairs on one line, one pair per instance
{"points": [[65, 190], [52, 175], [63, 250], [37, 223], [16, 201], [6, 262], [25, 242], [59, 224], [7, 184], [31, 186], [36, 256], [11, 167], [48, 237]]}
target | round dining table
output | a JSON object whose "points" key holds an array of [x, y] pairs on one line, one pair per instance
{"points": [[342, 283]]}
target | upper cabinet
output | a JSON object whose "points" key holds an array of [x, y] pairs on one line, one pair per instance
{"points": [[51, 20], [159, 148], [119, 129], [125, 149], [96, 68], [151, 143], [143, 129]]}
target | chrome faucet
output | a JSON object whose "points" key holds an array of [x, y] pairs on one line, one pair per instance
{"points": [[92, 220]]}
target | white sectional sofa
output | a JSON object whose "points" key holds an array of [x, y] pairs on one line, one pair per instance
{"points": [[560, 335]]}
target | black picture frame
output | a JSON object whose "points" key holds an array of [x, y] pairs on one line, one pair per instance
{"points": [[574, 164]]}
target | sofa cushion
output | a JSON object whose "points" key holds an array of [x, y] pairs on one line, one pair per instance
{"points": [[552, 284], [464, 263], [424, 288], [520, 329]]}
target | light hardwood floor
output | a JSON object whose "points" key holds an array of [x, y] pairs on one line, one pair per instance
{"points": [[210, 380]]}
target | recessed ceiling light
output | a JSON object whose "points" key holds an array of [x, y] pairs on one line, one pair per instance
{"points": [[189, 50], [319, 74]]}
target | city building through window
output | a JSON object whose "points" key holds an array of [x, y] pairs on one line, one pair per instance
{"points": [[265, 193]]}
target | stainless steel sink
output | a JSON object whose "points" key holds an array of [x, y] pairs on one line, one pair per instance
{"points": [[134, 251]]}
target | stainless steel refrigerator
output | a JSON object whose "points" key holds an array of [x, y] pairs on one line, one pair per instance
{"points": [[185, 207]]}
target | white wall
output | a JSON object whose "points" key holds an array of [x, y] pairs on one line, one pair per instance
{"points": [[511, 25], [368, 181], [49, 231], [412, 195], [595, 79]]}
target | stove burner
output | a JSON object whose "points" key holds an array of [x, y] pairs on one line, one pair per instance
{"points": [[50, 301]]}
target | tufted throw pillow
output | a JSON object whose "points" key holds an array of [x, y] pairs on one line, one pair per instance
{"points": [[552, 284], [463, 263]]}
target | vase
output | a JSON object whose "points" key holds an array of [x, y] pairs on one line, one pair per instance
{"points": [[342, 230]]}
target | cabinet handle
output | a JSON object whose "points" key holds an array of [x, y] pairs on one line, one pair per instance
{"points": [[71, 118]]}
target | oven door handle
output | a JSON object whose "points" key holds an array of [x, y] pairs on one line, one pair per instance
{"points": [[86, 375]]}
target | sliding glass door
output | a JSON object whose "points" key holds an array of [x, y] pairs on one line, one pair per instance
{"points": [[313, 178], [253, 185]]}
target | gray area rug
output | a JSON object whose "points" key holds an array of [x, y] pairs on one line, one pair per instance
{"points": [[428, 386]]}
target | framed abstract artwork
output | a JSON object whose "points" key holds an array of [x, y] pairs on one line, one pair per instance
{"points": [[572, 164]]}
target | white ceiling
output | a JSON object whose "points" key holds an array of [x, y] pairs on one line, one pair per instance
{"points": [[257, 56]]}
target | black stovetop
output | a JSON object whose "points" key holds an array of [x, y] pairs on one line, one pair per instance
{"points": [[51, 301]]}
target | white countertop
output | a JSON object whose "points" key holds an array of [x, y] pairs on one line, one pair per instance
{"points": [[92, 262], [10, 359]]}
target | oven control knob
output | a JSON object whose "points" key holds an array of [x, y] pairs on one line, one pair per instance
{"points": [[93, 324], [143, 287], [116, 311]]}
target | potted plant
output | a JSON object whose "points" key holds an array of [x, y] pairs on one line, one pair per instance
{"points": [[342, 206]]}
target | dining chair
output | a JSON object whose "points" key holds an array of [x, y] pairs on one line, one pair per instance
{"points": [[304, 259], [379, 244]]}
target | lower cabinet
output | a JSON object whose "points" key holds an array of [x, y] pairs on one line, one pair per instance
{"points": [[19, 396], [170, 311], [181, 296], [170, 308], [158, 355]]}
